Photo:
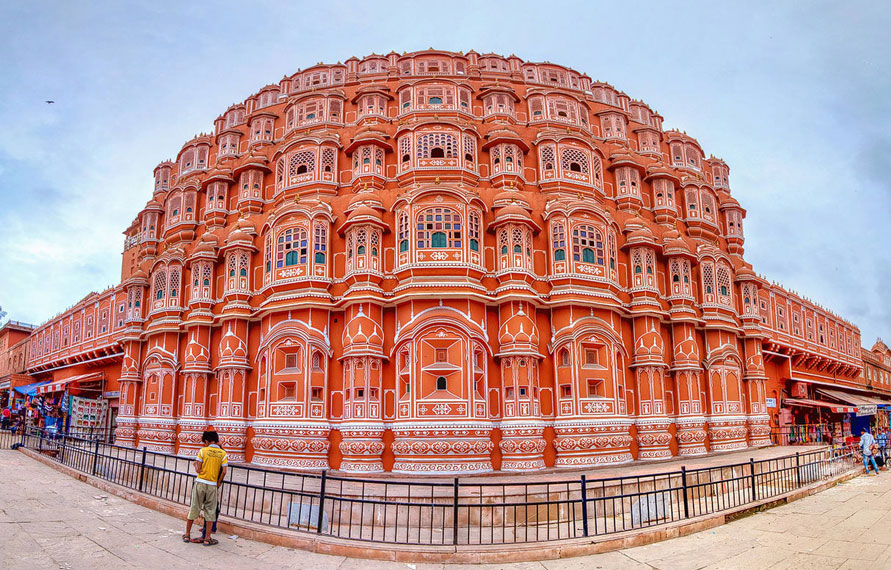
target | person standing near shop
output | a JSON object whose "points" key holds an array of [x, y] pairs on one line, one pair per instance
{"points": [[210, 464], [882, 442], [867, 445], [6, 418]]}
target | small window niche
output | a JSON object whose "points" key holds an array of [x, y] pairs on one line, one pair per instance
{"points": [[316, 394], [592, 357], [595, 388], [287, 391]]}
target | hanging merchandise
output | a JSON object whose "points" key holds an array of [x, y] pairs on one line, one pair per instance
{"points": [[86, 413], [65, 402]]}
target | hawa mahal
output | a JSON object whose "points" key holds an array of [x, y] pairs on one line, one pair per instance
{"points": [[442, 262]]}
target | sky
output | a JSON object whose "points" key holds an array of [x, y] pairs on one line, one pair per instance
{"points": [[795, 96]]}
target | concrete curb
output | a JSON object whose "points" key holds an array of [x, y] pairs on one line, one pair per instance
{"points": [[467, 554]]}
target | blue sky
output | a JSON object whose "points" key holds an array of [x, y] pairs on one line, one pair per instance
{"points": [[795, 96]]}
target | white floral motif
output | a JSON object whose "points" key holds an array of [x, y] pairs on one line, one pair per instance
{"points": [[596, 407], [461, 409], [442, 409], [297, 271]]}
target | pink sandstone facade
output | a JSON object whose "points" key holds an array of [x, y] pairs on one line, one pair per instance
{"points": [[440, 262]]}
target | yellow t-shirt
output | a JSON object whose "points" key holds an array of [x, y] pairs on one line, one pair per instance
{"points": [[212, 459]]}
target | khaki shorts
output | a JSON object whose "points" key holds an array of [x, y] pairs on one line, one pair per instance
{"points": [[204, 498]]}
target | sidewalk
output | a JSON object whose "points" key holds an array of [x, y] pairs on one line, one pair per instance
{"points": [[50, 520]]}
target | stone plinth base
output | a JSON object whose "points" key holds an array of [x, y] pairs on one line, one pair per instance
{"points": [[592, 442], [727, 433], [291, 444], [522, 447], [362, 448], [691, 435], [442, 450], [653, 438], [157, 434]]}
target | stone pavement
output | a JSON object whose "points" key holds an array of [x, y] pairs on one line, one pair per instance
{"points": [[50, 520]]}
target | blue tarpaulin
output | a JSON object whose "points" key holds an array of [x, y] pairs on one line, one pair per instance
{"points": [[30, 389]]}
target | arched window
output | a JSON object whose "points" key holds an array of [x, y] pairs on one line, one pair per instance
{"points": [[320, 242], [474, 231], [708, 278], [439, 227], [437, 145], [587, 245], [548, 161], [405, 152], [558, 239], [403, 232], [708, 206], [573, 160], [292, 247], [442, 383], [723, 282], [160, 284], [469, 151], [692, 203]]}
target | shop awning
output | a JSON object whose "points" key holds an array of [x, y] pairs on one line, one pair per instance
{"points": [[29, 389], [837, 408], [855, 399], [60, 385]]}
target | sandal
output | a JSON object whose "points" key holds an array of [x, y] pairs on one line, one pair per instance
{"points": [[211, 542], [198, 540], [187, 538]]}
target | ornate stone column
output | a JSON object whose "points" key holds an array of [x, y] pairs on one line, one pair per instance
{"points": [[522, 428], [362, 429], [653, 437]]}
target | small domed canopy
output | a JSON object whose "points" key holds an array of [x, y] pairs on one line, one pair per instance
{"points": [[362, 335], [729, 201], [508, 197], [363, 214], [517, 331], [514, 213]]}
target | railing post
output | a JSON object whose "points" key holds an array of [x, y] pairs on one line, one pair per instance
{"points": [[141, 467], [798, 468], [40, 441], [752, 469], [95, 457], [62, 453], [321, 501], [584, 484], [455, 513], [686, 498]]}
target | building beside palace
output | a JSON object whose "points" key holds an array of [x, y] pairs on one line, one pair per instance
{"points": [[14, 338], [440, 262]]}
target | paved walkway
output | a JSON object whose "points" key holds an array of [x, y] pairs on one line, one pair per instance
{"points": [[50, 520]]}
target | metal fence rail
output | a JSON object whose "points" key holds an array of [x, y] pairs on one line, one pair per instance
{"points": [[455, 512]]}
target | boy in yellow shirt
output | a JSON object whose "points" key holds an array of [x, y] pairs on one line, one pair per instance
{"points": [[210, 464]]}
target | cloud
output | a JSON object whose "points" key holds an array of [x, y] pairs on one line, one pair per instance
{"points": [[792, 95]]}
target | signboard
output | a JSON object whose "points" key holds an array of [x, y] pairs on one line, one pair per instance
{"points": [[111, 395], [771, 402], [866, 410]]}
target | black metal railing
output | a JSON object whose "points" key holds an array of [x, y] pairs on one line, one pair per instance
{"points": [[455, 511]]}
